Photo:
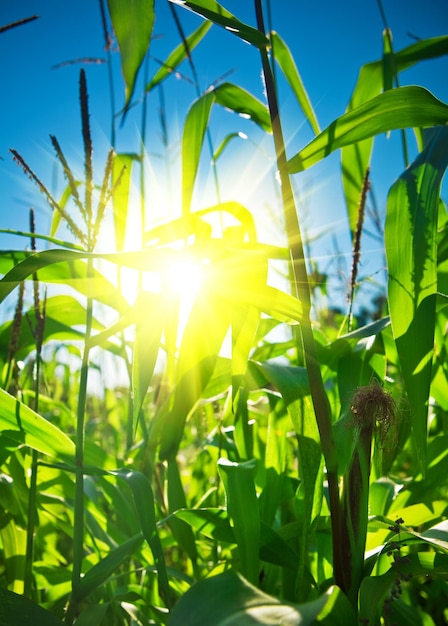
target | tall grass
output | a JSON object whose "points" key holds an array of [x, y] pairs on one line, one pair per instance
{"points": [[260, 465]]}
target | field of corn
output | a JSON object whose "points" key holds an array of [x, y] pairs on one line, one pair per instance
{"points": [[226, 447]]}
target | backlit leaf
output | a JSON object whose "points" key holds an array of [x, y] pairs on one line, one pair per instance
{"points": [[411, 250], [133, 22], [229, 96], [40, 434], [404, 107], [216, 13], [284, 58], [355, 158], [178, 56], [242, 507]]}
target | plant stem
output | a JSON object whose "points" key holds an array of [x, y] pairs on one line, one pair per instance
{"points": [[38, 333], [78, 523], [302, 290]]}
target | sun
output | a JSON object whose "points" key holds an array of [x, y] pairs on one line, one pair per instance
{"points": [[183, 277]]}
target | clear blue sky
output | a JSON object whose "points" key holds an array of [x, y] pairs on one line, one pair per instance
{"points": [[330, 41]]}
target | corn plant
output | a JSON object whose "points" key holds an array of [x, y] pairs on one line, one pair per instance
{"points": [[233, 478]]}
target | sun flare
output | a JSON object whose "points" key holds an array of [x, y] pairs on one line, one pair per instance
{"points": [[183, 277]]}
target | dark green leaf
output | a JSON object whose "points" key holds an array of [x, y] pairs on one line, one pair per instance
{"points": [[17, 610], [229, 600]]}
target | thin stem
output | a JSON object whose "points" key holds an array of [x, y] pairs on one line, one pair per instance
{"points": [[78, 523], [302, 290]]}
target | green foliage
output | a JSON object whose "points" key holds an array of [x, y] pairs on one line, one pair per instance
{"points": [[255, 463]]}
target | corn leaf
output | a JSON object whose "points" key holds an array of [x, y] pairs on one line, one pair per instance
{"points": [[121, 185], [284, 58], [144, 503], [411, 250], [242, 102], [133, 21], [176, 500], [192, 140], [355, 158], [150, 316], [38, 433], [178, 56], [404, 107], [233, 601], [65, 267], [202, 339], [242, 507], [216, 13], [374, 589], [16, 609], [104, 569], [229, 96]]}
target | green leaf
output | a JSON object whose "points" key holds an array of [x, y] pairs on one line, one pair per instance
{"points": [[216, 13], [40, 434], [411, 250], [404, 107], [374, 589], [355, 158], [176, 500], [178, 55], [65, 267], [16, 609], [121, 174], [229, 96], [104, 569], [242, 507], [224, 143], [202, 339], [133, 21], [284, 58], [194, 132], [150, 316], [144, 503], [230, 600], [242, 102], [292, 383]]}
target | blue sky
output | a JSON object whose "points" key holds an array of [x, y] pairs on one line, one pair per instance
{"points": [[330, 41]]}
